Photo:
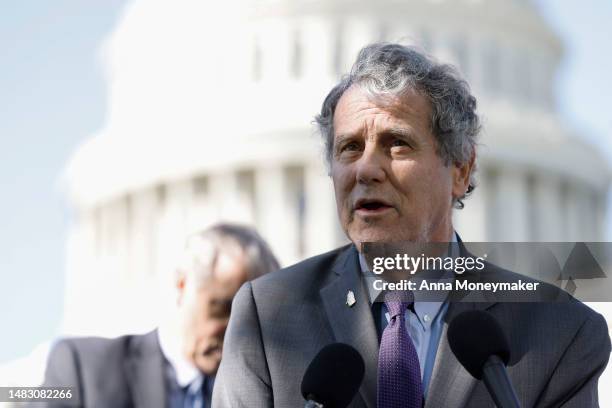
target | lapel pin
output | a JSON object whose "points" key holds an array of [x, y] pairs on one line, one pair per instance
{"points": [[350, 298]]}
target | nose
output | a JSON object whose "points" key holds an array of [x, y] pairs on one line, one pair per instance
{"points": [[370, 168], [217, 328]]}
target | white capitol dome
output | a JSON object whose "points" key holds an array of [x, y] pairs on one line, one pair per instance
{"points": [[210, 118]]}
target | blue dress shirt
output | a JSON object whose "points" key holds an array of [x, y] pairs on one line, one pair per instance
{"points": [[424, 321], [186, 386]]}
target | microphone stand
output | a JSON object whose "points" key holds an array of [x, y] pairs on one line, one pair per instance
{"points": [[311, 403], [498, 383]]}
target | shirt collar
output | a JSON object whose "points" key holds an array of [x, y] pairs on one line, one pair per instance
{"points": [[186, 373], [421, 308]]}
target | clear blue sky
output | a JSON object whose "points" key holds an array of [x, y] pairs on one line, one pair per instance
{"points": [[584, 85], [52, 96]]}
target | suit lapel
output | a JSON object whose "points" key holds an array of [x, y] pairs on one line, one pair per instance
{"points": [[353, 325], [451, 385], [144, 367]]}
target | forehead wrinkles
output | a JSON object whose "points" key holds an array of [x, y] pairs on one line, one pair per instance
{"points": [[373, 119], [361, 115], [409, 104], [358, 105]]}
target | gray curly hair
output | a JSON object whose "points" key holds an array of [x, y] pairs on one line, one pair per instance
{"points": [[384, 69]]}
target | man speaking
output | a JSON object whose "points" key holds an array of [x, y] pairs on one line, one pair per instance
{"points": [[400, 132]]}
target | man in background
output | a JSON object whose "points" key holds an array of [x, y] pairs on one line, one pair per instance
{"points": [[173, 366]]}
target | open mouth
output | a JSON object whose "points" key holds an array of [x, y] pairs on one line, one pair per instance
{"points": [[371, 206]]}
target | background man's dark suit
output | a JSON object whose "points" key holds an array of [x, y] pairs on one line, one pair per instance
{"points": [[138, 371], [124, 372], [280, 321]]}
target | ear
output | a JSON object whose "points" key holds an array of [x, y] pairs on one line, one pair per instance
{"points": [[461, 176], [180, 284]]}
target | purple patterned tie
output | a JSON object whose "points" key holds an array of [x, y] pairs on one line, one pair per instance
{"points": [[399, 372]]}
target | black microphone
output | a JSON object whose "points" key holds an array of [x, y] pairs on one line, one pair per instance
{"points": [[480, 345], [333, 377]]}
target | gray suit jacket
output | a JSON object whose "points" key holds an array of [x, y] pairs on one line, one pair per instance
{"points": [[122, 372], [280, 321]]}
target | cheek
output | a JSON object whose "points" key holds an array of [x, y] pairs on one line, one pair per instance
{"points": [[409, 178], [441, 187], [429, 183]]}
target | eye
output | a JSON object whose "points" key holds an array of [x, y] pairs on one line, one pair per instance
{"points": [[220, 307], [399, 143], [350, 146]]}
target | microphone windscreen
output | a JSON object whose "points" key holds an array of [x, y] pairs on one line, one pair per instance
{"points": [[473, 337], [334, 376]]}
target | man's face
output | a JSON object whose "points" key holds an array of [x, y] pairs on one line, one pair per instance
{"points": [[205, 311], [390, 183]]}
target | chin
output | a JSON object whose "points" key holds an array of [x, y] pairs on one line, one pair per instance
{"points": [[386, 234], [208, 367], [378, 235]]}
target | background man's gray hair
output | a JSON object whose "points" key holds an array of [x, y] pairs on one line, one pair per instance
{"points": [[384, 69], [203, 248]]}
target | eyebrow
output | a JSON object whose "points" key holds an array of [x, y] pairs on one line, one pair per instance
{"points": [[395, 131], [344, 136], [403, 133], [400, 132]]}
